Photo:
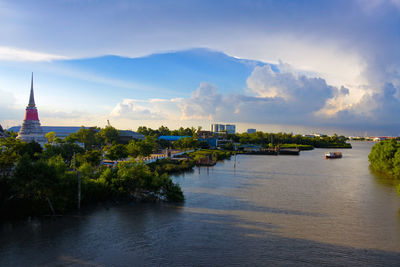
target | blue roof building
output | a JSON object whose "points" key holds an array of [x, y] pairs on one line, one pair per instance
{"points": [[172, 138]]}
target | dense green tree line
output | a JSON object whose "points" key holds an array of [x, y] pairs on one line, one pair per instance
{"points": [[171, 166], [209, 153], [163, 130], [268, 139], [35, 181], [385, 158]]}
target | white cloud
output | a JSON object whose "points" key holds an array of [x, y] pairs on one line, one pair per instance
{"points": [[15, 54], [131, 109], [203, 104], [337, 103], [8, 111], [297, 91]]}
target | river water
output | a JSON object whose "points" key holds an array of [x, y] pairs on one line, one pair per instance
{"points": [[268, 210]]}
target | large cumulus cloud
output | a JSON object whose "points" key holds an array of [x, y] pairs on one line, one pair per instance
{"points": [[279, 96], [376, 112], [298, 92], [271, 97], [204, 103]]}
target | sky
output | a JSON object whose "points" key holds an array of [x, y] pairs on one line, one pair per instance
{"points": [[292, 66]]}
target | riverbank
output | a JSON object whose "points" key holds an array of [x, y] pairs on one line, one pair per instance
{"points": [[209, 157], [171, 166]]}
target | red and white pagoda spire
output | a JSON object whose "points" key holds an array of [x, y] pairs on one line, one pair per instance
{"points": [[31, 129]]}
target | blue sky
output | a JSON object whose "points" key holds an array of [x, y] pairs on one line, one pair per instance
{"points": [[295, 66]]}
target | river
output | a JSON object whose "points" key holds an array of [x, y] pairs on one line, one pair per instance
{"points": [[268, 210]]}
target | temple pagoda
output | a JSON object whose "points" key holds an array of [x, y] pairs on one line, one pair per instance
{"points": [[31, 129]]}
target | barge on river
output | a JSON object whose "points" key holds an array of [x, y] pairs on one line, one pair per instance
{"points": [[333, 155]]}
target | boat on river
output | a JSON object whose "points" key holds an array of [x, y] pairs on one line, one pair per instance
{"points": [[333, 155]]}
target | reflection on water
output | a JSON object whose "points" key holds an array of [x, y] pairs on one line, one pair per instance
{"points": [[269, 210]]}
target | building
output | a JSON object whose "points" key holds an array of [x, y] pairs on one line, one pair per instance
{"points": [[206, 134], [126, 135], [60, 131], [209, 137], [31, 129], [249, 131], [63, 131], [229, 128], [172, 138], [215, 127]]}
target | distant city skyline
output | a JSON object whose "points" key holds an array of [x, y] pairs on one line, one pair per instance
{"points": [[292, 66]]}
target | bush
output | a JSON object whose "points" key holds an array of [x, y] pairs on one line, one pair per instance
{"points": [[385, 158]]}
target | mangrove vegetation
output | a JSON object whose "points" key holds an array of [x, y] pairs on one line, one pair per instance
{"points": [[385, 159]]}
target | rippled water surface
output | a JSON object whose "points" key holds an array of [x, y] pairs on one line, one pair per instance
{"points": [[269, 210]]}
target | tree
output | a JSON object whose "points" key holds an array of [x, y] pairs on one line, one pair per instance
{"points": [[116, 152], [66, 151], [86, 170], [143, 130], [142, 148], [71, 138], [186, 142], [110, 135], [38, 182], [51, 137], [88, 137], [163, 143], [93, 157], [382, 157], [8, 154], [33, 149], [163, 130]]}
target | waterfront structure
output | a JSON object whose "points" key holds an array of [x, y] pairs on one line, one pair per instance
{"points": [[250, 148], [249, 131], [31, 129]]}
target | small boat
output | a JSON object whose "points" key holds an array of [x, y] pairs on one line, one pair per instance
{"points": [[333, 155]]}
